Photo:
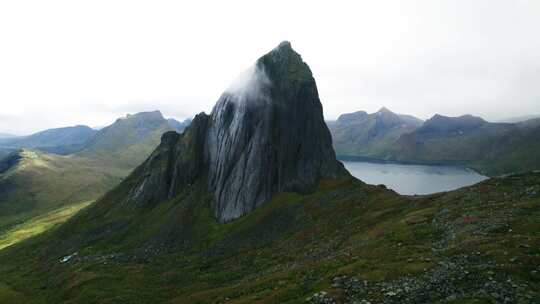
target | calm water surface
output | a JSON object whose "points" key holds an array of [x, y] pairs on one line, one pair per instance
{"points": [[414, 179]]}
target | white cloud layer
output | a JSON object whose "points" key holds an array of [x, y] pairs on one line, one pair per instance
{"points": [[89, 62]]}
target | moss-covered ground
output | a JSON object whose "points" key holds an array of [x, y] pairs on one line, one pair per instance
{"points": [[352, 241]]}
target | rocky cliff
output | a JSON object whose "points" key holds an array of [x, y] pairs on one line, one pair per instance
{"points": [[265, 135]]}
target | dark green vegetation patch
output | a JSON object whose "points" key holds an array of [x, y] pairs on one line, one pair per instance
{"points": [[346, 242]]}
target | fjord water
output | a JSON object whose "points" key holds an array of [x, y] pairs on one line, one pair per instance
{"points": [[414, 179]]}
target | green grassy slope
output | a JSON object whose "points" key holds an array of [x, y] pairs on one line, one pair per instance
{"points": [[39, 224], [127, 142], [43, 182], [349, 240]]}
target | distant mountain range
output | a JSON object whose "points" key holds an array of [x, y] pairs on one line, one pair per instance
{"points": [[370, 135], [33, 180], [179, 126], [518, 118], [129, 140], [69, 140], [491, 148], [60, 140]]}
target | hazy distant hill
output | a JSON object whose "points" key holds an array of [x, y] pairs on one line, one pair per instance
{"points": [[519, 118], [179, 126], [7, 136], [492, 148], [121, 135], [33, 182], [60, 140], [369, 135], [129, 140]]}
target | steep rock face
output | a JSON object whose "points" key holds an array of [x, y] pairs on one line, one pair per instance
{"points": [[266, 134], [176, 163]]}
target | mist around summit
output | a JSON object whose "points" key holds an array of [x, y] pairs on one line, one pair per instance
{"points": [[250, 84]]}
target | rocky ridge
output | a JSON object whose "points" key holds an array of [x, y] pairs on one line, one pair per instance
{"points": [[265, 135]]}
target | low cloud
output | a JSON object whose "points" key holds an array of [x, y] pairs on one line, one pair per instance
{"points": [[250, 84]]}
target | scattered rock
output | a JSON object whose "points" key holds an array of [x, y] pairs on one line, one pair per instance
{"points": [[320, 297], [67, 258]]}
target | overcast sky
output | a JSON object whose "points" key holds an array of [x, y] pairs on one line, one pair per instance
{"points": [[89, 62]]}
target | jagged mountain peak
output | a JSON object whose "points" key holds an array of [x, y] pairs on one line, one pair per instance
{"points": [[283, 64], [276, 141], [264, 136], [284, 46], [281, 68], [282, 54]]}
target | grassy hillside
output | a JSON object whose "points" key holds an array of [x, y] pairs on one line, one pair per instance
{"points": [[346, 242], [41, 182], [39, 224], [128, 141]]}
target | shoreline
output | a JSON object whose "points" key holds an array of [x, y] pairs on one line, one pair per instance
{"points": [[373, 160]]}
